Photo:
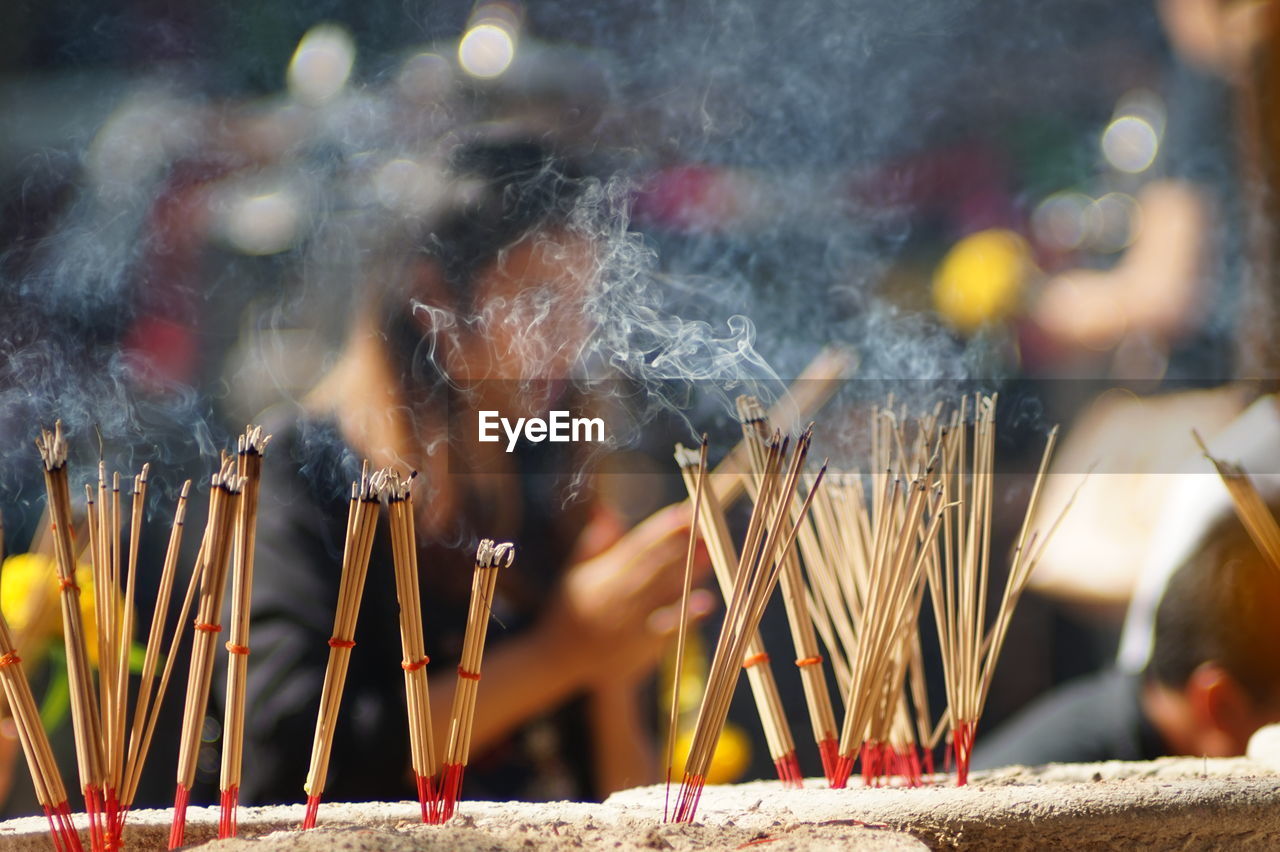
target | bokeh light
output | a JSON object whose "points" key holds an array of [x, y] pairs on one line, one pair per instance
{"points": [[1113, 222], [1130, 144], [1059, 223], [408, 186], [322, 64], [263, 224], [487, 50], [425, 78]]}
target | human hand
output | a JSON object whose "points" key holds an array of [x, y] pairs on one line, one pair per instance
{"points": [[614, 609]]}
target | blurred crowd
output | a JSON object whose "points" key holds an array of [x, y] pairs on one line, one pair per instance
{"points": [[360, 223]]}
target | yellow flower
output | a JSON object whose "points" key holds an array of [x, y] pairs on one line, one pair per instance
{"points": [[731, 757], [29, 600], [981, 279]]}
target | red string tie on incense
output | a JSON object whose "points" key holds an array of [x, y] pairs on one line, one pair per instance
{"points": [[468, 675], [9, 659], [335, 642], [755, 660], [233, 648], [413, 667], [65, 583], [208, 628], [809, 661]]}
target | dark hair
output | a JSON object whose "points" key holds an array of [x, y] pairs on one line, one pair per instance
{"points": [[504, 192], [519, 187], [1221, 605]]}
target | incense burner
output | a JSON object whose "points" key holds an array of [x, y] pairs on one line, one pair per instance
{"points": [[1185, 803]]}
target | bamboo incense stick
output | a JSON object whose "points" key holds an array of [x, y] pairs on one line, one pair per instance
{"points": [[84, 705], [959, 579], [758, 572], [817, 383], [756, 662], [808, 659], [150, 706], [143, 718], [683, 628], [249, 451], [490, 556], [897, 564], [45, 777], [1249, 506], [397, 493], [362, 518], [224, 501]]}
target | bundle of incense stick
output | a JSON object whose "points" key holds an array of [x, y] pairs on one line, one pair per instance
{"points": [[839, 546], [895, 733], [903, 526], [724, 559], [114, 626], [397, 494], [250, 448], [362, 521], [755, 427], [759, 567], [85, 722], [45, 776], [490, 556], [1249, 506], [817, 383], [682, 631], [101, 732], [150, 692], [215, 550], [959, 579]]}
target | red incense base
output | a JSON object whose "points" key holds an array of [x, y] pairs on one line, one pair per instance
{"points": [[963, 745], [843, 769], [94, 807], [227, 819], [313, 805], [829, 750], [427, 798], [450, 787], [788, 768], [178, 832], [690, 795], [62, 829]]}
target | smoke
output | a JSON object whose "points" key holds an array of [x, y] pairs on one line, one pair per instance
{"points": [[763, 199]]}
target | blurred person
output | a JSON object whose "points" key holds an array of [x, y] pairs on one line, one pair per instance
{"points": [[1164, 293], [437, 336], [1212, 680], [472, 293], [1128, 533]]}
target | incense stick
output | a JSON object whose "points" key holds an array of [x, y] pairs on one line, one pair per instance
{"points": [[146, 710], [224, 501], [1249, 506], [84, 705], [902, 526], [817, 383], [756, 661], [490, 556], [758, 572], [808, 659], [249, 451], [362, 518], [683, 628], [959, 579], [45, 777], [397, 494]]}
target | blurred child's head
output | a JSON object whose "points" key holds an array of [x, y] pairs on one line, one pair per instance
{"points": [[1214, 675]]}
